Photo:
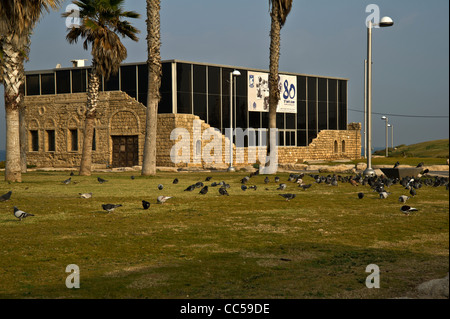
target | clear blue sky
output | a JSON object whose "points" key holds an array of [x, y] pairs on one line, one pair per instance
{"points": [[322, 37]]}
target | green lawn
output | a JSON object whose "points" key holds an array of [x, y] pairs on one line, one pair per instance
{"points": [[251, 244]]}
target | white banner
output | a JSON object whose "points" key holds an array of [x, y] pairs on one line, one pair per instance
{"points": [[258, 93]]}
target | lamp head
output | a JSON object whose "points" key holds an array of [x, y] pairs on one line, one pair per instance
{"points": [[386, 22], [384, 118], [236, 73]]}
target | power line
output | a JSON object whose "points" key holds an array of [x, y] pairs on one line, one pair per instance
{"points": [[404, 115]]}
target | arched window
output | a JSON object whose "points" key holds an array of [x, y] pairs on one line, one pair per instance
{"points": [[336, 147], [343, 146]]}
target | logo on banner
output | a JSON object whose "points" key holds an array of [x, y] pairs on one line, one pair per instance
{"points": [[252, 81], [289, 91]]}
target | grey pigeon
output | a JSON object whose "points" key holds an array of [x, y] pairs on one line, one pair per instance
{"points": [[160, 187], [413, 192], [384, 195], [199, 185], [360, 195], [305, 187], [21, 214], [266, 180], [163, 199], [5, 197], [208, 179], [67, 181], [204, 190], [190, 188], [132, 177], [288, 197], [277, 179], [282, 187], [223, 191], [420, 165], [403, 198], [86, 195], [101, 180], [252, 187], [110, 207], [244, 188], [408, 209], [397, 164], [72, 174], [175, 181], [145, 204]]}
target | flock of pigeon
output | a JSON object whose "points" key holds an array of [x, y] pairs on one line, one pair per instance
{"points": [[379, 184]]}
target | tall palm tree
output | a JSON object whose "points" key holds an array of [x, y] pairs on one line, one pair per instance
{"points": [[279, 11], [154, 84], [101, 22], [17, 20]]}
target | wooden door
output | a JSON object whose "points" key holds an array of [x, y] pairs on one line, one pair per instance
{"points": [[125, 151]]}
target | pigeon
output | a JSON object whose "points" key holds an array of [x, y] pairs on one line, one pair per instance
{"points": [[413, 192], [199, 185], [208, 179], [397, 164], [190, 188], [175, 181], [145, 204], [132, 177], [244, 188], [408, 209], [384, 195], [245, 179], [288, 197], [223, 192], [334, 182], [252, 187], [163, 199], [101, 180], [305, 187], [21, 214], [204, 190], [360, 195], [403, 198], [266, 180], [160, 187], [67, 181], [5, 197], [86, 195], [72, 174], [110, 207], [277, 179], [282, 187], [420, 165], [425, 171]]}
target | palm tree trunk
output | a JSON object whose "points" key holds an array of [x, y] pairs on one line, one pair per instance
{"points": [[12, 81], [154, 84], [274, 91], [91, 112], [23, 138]]}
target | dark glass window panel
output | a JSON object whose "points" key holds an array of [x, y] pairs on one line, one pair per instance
{"points": [[301, 115], [241, 84], [311, 136], [262, 137], [128, 80], [34, 135], [342, 91], [332, 109], [226, 112], [184, 103], [79, 83], [332, 90], [199, 78], [302, 138], [183, 77], [280, 121], [290, 121], [288, 138], [312, 89], [213, 80], [165, 104], [301, 88], [265, 119], [280, 141], [112, 84], [214, 111], [51, 145], [200, 106], [143, 83], [342, 116], [48, 83], [166, 79], [74, 140], [241, 112], [226, 81], [323, 116], [323, 88], [254, 119], [63, 82], [312, 116], [33, 85]]}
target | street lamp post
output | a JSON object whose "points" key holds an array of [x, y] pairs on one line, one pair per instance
{"points": [[234, 73], [392, 135], [387, 134], [384, 22]]}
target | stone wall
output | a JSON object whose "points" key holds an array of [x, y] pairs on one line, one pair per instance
{"points": [[121, 115]]}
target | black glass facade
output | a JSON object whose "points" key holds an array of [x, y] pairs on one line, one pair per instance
{"points": [[204, 90]]}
